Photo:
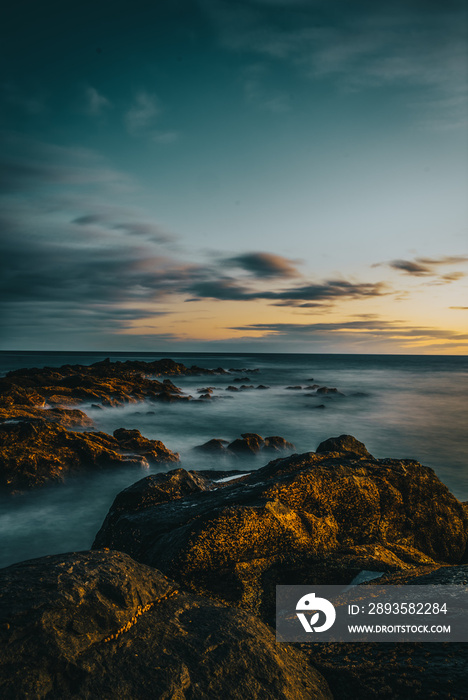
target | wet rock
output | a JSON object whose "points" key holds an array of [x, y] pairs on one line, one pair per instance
{"points": [[214, 446], [344, 444], [106, 383], [232, 388], [262, 386], [329, 390], [274, 443], [306, 516], [203, 397], [100, 625], [206, 390], [35, 453], [294, 388], [246, 387]]}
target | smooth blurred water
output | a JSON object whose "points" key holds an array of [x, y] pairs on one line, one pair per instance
{"points": [[399, 406]]}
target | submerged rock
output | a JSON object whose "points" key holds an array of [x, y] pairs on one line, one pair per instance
{"points": [[213, 446], [100, 625], [247, 444], [310, 518]]}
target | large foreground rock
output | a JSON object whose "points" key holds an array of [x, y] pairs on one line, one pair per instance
{"points": [[309, 518], [99, 625]]}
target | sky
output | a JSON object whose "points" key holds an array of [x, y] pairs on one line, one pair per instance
{"points": [[242, 175]]}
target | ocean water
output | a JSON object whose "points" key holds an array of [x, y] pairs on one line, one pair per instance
{"points": [[409, 407]]}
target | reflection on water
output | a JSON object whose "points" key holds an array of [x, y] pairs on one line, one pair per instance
{"points": [[412, 408]]}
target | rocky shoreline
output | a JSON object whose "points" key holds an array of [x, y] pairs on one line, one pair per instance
{"points": [[176, 597]]}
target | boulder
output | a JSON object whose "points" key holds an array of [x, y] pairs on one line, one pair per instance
{"points": [[309, 518], [100, 625], [344, 445], [213, 446]]}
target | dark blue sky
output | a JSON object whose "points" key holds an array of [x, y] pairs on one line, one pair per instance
{"points": [[262, 174]]}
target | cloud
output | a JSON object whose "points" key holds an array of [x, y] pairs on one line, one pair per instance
{"points": [[38, 164], [321, 293], [412, 268], [364, 329], [359, 46], [263, 264], [96, 103], [428, 267], [143, 113]]}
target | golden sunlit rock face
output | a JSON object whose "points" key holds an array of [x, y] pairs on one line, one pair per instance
{"points": [[318, 518]]}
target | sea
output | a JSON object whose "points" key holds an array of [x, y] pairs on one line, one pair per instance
{"points": [[399, 406]]}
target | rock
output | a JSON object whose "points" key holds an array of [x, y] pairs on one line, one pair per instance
{"points": [[107, 383], [68, 418], [100, 625], [248, 444], [153, 450], [35, 453], [203, 397], [276, 444], [294, 388], [214, 446], [206, 390], [397, 670], [304, 518], [329, 390], [262, 386], [344, 444], [232, 388], [251, 443], [245, 387], [242, 379]]}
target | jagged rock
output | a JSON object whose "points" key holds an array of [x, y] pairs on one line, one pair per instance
{"points": [[107, 383], [34, 453], [232, 388], [301, 518], [100, 625], [68, 418], [251, 443], [248, 444], [274, 443], [344, 444]]}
